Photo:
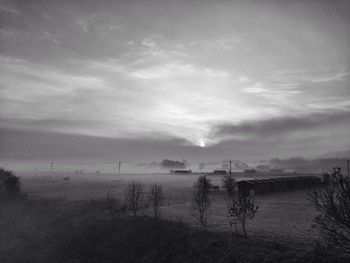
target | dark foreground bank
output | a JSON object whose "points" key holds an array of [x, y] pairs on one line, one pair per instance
{"points": [[53, 231]]}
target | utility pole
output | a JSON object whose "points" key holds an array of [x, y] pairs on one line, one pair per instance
{"points": [[120, 163], [348, 168], [52, 167], [230, 168]]}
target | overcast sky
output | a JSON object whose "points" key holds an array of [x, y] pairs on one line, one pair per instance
{"points": [[203, 79]]}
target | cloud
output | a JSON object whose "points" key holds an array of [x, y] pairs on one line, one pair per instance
{"points": [[281, 125], [10, 10], [102, 25], [178, 70], [130, 70]]}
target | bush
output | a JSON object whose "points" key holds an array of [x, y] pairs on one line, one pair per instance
{"points": [[333, 202], [230, 185], [9, 183], [240, 210]]}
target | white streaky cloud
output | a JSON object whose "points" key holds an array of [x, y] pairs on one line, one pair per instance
{"points": [[102, 25], [178, 70], [243, 78], [299, 77], [256, 88], [10, 10]]}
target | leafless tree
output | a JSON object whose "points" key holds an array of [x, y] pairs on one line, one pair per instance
{"points": [[134, 196], [333, 202], [156, 198], [201, 200], [240, 210]]}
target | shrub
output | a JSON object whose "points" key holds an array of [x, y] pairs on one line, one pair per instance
{"points": [[10, 183], [230, 185], [134, 196], [240, 210], [203, 183], [332, 200]]}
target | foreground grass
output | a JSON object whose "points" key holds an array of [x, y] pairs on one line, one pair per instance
{"points": [[52, 231]]}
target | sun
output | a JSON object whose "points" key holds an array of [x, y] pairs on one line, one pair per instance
{"points": [[201, 143]]}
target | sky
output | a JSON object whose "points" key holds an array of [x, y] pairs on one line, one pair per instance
{"points": [[181, 79]]}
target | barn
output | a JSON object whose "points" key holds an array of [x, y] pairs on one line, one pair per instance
{"points": [[277, 184]]}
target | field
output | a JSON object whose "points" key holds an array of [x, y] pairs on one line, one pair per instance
{"points": [[281, 215]]}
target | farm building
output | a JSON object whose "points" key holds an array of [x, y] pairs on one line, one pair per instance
{"points": [[180, 171], [250, 171], [277, 184], [219, 172]]}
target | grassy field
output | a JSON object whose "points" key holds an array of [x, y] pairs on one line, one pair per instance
{"points": [[280, 214], [45, 230]]}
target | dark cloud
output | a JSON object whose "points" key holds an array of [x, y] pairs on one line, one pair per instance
{"points": [[282, 125]]}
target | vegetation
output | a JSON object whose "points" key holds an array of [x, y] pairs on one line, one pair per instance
{"points": [[134, 197], [201, 200], [333, 203], [230, 185], [10, 184], [155, 199], [51, 231], [240, 210], [111, 204], [173, 164]]}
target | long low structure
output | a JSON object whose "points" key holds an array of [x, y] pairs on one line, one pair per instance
{"points": [[279, 184]]}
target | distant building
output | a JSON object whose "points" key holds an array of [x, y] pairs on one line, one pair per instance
{"points": [[276, 170], [219, 172], [250, 171], [180, 171], [277, 184]]}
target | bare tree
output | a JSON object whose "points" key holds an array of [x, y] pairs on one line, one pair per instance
{"points": [[240, 210], [134, 196], [201, 200], [333, 202], [230, 184], [156, 198]]}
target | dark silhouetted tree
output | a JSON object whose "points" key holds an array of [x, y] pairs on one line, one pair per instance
{"points": [[134, 196], [240, 210], [155, 199], [10, 183], [230, 185], [332, 200], [201, 200]]}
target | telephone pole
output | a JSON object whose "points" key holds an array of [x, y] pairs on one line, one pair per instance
{"points": [[230, 168], [348, 168], [119, 164], [52, 167]]}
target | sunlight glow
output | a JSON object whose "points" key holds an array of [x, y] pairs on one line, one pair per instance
{"points": [[201, 143]]}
